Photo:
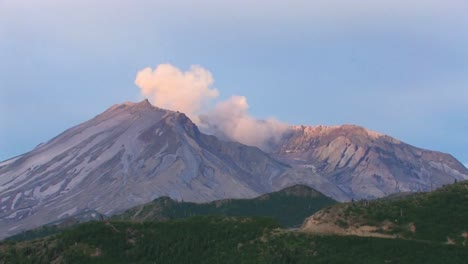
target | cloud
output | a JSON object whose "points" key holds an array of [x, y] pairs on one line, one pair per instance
{"points": [[191, 92]]}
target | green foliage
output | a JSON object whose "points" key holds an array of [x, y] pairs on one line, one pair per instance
{"points": [[42, 231], [428, 218], [289, 207], [435, 216], [217, 240], [302, 248]]}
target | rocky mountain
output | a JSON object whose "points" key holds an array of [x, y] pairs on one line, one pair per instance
{"points": [[134, 152], [129, 155], [367, 164]]}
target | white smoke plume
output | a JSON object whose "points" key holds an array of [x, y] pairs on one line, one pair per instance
{"points": [[170, 88], [231, 119], [191, 92]]}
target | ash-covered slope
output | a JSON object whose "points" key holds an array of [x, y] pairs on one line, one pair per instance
{"points": [[129, 155], [367, 164]]}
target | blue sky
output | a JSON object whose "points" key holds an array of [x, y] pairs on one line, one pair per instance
{"points": [[398, 67]]}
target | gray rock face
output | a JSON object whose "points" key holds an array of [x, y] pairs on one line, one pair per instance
{"points": [[366, 164], [129, 155]]}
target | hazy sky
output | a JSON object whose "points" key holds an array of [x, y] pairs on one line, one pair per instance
{"points": [[399, 67]]}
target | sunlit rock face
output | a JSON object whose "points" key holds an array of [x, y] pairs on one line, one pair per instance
{"points": [[367, 164]]}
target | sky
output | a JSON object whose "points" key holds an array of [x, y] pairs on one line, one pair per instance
{"points": [[397, 67]]}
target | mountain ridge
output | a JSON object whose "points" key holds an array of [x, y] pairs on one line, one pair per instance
{"points": [[289, 206], [365, 163]]}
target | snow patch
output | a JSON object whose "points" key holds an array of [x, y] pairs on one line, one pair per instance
{"points": [[11, 216], [68, 212], [174, 194], [13, 228], [8, 161], [76, 180], [5, 199], [37, 192], [52, 189], [17, 196]]}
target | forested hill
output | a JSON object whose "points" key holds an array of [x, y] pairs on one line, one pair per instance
{"points": [[289, 206]]}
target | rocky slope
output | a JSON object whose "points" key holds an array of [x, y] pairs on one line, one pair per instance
{"points": [[367, 164], [129, 155]]}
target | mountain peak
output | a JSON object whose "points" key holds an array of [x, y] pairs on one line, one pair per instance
{"points": [[142, 104], [300, 190], [337, 129]]}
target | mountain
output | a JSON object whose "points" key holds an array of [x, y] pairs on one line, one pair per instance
{"points": [[134, 152], [289, 207], [366, 164], [129, 155], [438, 216]]}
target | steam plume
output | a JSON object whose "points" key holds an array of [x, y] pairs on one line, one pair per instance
{"points": [[191, 92], [170, 88], [231, 119]]}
